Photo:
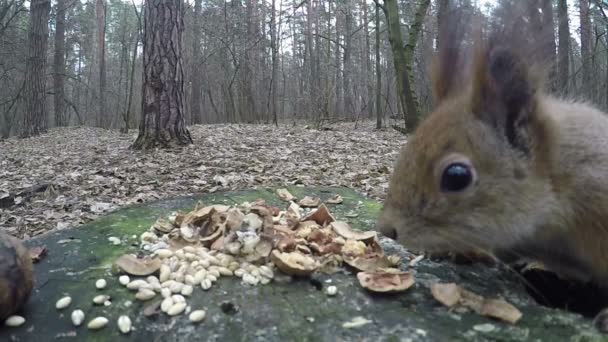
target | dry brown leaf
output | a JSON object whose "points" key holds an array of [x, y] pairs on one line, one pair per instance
{"points": [[344, 229], [337, 199], [321, 216], [285, 195], [311, 202], [386, 281]]}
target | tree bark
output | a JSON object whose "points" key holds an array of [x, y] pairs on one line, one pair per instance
{"points": [[36, 120], [587, 86], [378, 72], [564, 46], [59, 65], [100, 13], [275, 64], [195, 76], [162, 123], [410, 49], [404, 88], [548, 40]]}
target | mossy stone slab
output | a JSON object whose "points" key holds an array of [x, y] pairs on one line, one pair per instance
{"points": [[285, 310]]}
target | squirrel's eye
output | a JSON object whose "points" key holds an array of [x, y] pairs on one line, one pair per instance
{"points": [[456, 177]]}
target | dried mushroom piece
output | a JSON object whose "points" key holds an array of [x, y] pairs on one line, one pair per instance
{"points": [[345, 230], [294, 263], [385, 281], [133, 265]]}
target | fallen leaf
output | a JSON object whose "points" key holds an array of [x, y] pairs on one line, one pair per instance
{"points": [[285, 195], [337, 199], [344, 229], [308, 201]]}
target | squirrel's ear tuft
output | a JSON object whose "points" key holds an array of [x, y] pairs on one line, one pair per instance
{"points": [[503, 92], [447, 64]]}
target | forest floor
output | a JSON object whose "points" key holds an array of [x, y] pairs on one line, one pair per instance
{"points": [[71, 176]]}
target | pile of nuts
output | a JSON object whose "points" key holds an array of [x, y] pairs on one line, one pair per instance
{"points": [[252, 241]]}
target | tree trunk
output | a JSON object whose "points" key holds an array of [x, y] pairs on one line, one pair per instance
{"points": [[587, 86], [410, 49], [100, 13], [59, 65], [35, 120], [368, 63], [162, 122], [347, 62], [275, 64], [442, 7], [564, 46], [406, 94], [195, 76], [378, 72], [548, 39]]}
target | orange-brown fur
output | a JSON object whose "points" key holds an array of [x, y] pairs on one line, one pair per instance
{"points": [[547, 200]]}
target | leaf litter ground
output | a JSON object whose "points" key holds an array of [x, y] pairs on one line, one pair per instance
{"points": [[71, 176]]}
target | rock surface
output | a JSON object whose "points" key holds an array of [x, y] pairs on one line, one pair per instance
{"points": [[286, 309]]}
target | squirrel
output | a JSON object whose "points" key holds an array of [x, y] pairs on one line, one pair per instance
{"points": [[503, 167], [16, 275]]}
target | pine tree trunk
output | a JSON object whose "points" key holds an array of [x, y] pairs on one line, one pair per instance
{"points": [[35, 120], [549, 42], [100, 13], [378, 72], [587, 86], [59, 65], [564, 46], [162, 123], [275, 64], [195, 76]]}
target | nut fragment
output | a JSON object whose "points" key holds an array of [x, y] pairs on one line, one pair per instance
{"points": [[294, 263], [331, 290], [197, 315], [136, 284], [77, 317], [166, 304], [100, 299], [97, 323], [124, 279], [133, 265], [63, 302], [145, 294], [176, 309], [385, 281], [100, 284], [14, 321], [124, 324]]}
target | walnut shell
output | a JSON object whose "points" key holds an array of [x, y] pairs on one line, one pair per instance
{"points": [[16, 275]]}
